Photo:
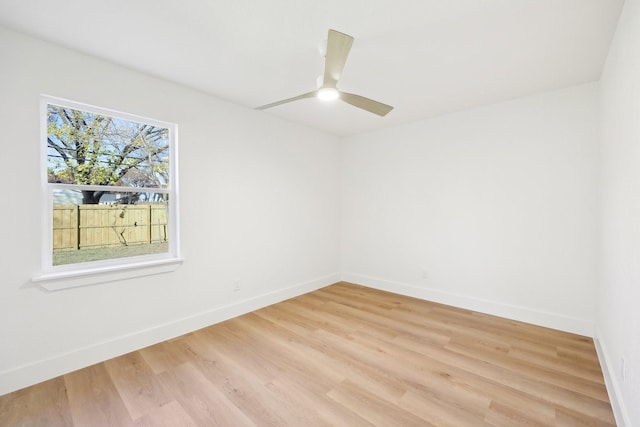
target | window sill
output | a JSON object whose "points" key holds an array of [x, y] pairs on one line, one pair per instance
{"points": [[55, 281]]}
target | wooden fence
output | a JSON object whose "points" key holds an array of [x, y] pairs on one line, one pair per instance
{"points": [[87, 226]]}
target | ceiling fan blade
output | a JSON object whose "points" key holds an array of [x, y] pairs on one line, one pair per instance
{"points": [[367, 104], [285, 101], [338, 47], [337, 52]]}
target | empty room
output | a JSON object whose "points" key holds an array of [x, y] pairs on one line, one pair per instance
{"points": [[337, 213]]}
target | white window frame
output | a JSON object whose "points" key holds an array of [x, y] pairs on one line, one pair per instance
{"points": [[81, 274]]}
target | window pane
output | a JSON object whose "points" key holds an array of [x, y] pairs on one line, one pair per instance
{"points": [[86, 148], [120, 225]]}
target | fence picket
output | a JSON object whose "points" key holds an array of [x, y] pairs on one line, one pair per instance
{"points": [[87, 226]]}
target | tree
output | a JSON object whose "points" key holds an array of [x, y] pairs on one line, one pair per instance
{"points": [[85, 148]]}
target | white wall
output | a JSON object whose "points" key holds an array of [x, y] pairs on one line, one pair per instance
{"points": [[497, 204], [259, 203], [618, 318]]}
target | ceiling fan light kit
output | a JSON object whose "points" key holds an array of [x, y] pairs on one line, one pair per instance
{"points": [[338, 47], [328, 93]]}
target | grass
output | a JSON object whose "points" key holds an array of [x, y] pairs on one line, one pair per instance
{"points": [[111, 252]]}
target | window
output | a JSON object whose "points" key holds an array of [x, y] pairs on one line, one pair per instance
{"points": [[110, 193]]}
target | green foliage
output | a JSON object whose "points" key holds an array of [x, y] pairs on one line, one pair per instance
{"points": [[91, 149]]}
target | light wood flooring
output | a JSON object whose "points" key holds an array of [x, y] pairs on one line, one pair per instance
{"points": [[344, 355]]}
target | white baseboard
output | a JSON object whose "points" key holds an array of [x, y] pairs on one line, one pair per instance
{"points": [[509, 311], [42, 370], [613, 387]]}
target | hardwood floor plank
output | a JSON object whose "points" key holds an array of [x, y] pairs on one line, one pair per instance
{"points": [[245, 388], [434, 382], [570, 418], [341, 355], [500, 415], [589, 357], [377, 411], [435, 411], [205, 403], [94, 400], [539, 389], [165, 355], [487, 387], [41, 405], [170, 415], [137, 385], [532, 371], [586, 371], [305, 397]]}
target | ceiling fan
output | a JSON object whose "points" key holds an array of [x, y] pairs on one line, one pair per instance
{"points": [[337, 51]]}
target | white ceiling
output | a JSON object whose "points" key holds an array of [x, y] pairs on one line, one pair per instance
{"points": [[424, 57]]}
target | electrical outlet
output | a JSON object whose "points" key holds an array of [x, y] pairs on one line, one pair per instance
{"points": [[236, 285], [623, 369], [425, 273]]}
